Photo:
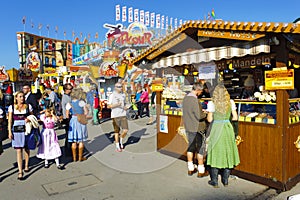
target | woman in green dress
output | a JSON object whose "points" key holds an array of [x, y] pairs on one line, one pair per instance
{"points": [[222, 152]]}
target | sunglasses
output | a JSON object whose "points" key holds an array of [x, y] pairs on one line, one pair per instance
{"points": [[118, 86]]}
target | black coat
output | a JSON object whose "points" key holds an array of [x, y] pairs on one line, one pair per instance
{"points": [[32, 99]]}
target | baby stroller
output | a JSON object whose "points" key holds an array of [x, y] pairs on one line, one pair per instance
{"points": [[132, 112]]}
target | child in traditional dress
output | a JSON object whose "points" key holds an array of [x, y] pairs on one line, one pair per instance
{"points": [[49, 149]]}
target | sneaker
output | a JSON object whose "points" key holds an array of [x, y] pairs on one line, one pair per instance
{"points": [[121, 146], [118, 150]]}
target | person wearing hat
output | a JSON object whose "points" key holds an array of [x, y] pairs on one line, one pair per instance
{"points": [[249, 88]]}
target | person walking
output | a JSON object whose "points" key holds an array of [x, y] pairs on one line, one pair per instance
{"points": [[77, 132], [152, 108], [17, 118], [118, 114], [138, 101], [3, 121], [145, 101], [222, 152], [66, 98], [95, 109], [195, 126], [49, 149], [90, 101]]}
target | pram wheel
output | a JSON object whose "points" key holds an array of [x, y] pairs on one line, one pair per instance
{"points": [[131, 114]]}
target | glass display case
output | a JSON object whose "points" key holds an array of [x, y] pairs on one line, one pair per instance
{"points": [[256, 111], [294, 110], [171, 101]]}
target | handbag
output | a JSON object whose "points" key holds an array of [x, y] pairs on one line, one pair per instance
{"points": [[34, 139], [82, 119]]}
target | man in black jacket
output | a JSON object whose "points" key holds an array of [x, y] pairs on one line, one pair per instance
{"points": [[32, 99]]}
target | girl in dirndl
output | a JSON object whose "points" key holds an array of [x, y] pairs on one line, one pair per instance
{"points": [[17, 118], [77, 133], [49, 149]]}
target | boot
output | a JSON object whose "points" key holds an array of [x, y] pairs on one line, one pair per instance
{"points": [[74, 152], [80, 153], [225, 175], [214, 177]]}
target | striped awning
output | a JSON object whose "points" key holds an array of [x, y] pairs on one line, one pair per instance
{"points": [[214, 54]]}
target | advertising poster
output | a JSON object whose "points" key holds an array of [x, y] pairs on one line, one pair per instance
{"points": [[163, 123]]}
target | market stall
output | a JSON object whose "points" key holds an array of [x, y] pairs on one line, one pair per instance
{"points": [[269, 125]]}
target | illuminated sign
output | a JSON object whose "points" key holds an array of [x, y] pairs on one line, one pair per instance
{"points": [[234, 35], [167, 46]]}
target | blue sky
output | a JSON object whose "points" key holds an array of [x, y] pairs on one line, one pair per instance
{"points": [[88, 17]]}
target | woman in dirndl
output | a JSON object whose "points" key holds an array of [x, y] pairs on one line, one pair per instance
{"points": [[222, 152], [17, 118], [77, 133]]}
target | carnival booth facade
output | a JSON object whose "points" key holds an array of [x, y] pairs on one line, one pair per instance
{"points": [[269, 54]]}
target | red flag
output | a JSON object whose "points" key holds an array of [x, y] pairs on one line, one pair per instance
{"points": [[96, 36], [24, 20]]}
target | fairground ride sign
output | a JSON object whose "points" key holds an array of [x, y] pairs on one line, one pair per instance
{"points": [[135, 35]]}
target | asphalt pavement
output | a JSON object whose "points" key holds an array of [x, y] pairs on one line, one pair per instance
{"points": [[139, 172]]}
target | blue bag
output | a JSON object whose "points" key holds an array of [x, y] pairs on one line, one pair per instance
{"points": [[34, 139]]}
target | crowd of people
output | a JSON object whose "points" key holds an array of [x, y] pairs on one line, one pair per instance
{"points": [[210, 134], [71, 110]]}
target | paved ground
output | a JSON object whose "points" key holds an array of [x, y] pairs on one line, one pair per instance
{"points": [[139, 172]]}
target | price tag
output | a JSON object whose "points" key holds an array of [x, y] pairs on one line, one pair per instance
{"points": [[258, 119], [290, 120], [248, 119], [175, 112], [241, 118], [297, 118], [271, 121], [293, 119], [180, 113]]}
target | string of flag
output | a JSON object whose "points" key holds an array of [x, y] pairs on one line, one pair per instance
{"points": [[149, 19]]}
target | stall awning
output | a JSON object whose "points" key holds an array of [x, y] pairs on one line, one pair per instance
{"points": [[214, 54]]}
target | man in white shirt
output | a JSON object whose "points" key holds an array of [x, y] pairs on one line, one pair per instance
{"points": [[118, 114]]}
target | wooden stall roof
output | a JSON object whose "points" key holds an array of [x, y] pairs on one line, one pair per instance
{"points": [[191, 27]]}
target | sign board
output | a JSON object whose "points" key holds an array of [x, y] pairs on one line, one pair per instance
{"points": [[157, 87], [167, 46], [163, 124], [279, 79], [230, 34], [207, 72]]}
